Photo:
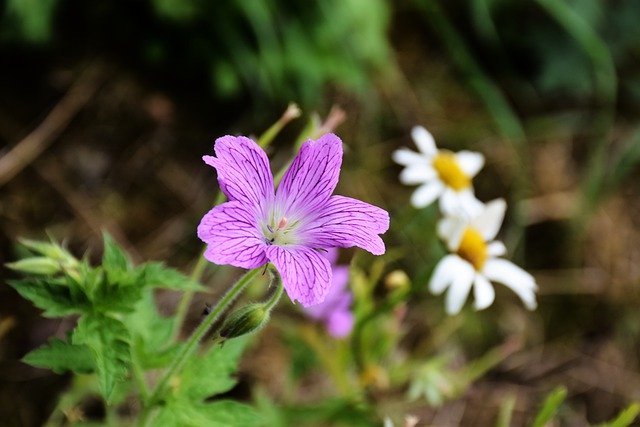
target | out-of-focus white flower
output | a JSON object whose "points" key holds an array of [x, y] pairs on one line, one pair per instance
{"points": [[474, 261], [439, 174]]}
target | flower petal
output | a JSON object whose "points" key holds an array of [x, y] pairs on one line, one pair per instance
{"points": [[514, 277], [451, 229], [340, 323], [426, 194], [407, 157], [490, 219], [496, 249], [306, 274], [443, 274], [483, 292], [470, 162], [312, 176], [459, 289], [417, 174], [232, 236], [424, 140], [243, 170], [338, 297], [347, 222]]}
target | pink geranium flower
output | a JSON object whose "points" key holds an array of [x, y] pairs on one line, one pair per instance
{"points": [[291, 225], [335, 311]]}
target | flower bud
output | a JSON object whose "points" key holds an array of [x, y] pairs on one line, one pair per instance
{"points": [[36, 265], [245, 321]]}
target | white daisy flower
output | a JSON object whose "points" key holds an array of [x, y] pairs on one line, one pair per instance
{"points": [[439, 173], [474, 261]]}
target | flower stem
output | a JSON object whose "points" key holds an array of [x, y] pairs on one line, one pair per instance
{"points": [[191, 345], [187, 296]]}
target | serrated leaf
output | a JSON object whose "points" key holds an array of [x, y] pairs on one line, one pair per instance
{"points": [[113, 297], [61, 356], [50, 296], [223, 413], [109, 341], [152, 333], [114, 259], [211, 373], [156, 275]]}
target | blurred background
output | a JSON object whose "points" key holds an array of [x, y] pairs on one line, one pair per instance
{"points": [[106, 108]]}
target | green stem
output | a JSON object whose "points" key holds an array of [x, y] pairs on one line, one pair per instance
{"points": [[138, 375], [192, 344], [187, 296], [277, 294]]}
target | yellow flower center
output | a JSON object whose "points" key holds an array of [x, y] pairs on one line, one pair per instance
{"points": [[449, 171], [473, 248]]}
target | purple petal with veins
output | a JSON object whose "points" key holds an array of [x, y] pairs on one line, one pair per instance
{"points": [[232, 236], [306, 274]]}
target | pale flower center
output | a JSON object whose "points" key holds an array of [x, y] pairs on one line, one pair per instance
{"points": [[449, 171], [280, 231], [473, 248]]}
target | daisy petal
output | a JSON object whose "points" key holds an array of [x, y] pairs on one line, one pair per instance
{"points": [[459, 289], [243, 170], [312, 176], [232, 236], [514, 277], [496, 249], [407, 157], [442, 275], [483, 292], [426, 194], [424, 140], [347, 222], [451, 229], [417, 174], [488, 222], [470, 162], [306, 274]]}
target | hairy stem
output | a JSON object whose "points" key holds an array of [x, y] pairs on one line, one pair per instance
{"points": [[191, 345]]}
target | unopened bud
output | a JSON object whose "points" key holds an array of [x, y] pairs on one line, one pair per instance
{"points": [[36, 265], [245, 321], [397, 279], [51, 250]]}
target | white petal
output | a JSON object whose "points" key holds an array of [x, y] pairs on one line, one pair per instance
{"points": [[424, 140], [515, 278], [407, 157], [450, 229], [469, 204], [443, 273], [426, 194], [483, 292], [496, 249], [417, 174], [460, 287], [449, 203], [470, 162], [488, 222]]}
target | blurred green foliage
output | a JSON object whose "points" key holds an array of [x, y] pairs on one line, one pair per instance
{"points": [[278, 50]]}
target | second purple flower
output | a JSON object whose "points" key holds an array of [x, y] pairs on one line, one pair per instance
{"points": [[291, 225]]}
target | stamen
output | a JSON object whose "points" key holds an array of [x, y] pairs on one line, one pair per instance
{"points": [[473, 248], [282, 223], [449, 170]]}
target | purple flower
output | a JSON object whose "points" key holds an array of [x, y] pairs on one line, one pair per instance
{"points": [[289, 226], [334, 311]]}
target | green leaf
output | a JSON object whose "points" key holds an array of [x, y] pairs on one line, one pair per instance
{"points": [[52, 296], [61, 356], [625, 418], [114, 259], [36, 265], [550, 406], [156, 275], [109, 341], [221, 413], [151, 332], [211, 373], [116, 297]]}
